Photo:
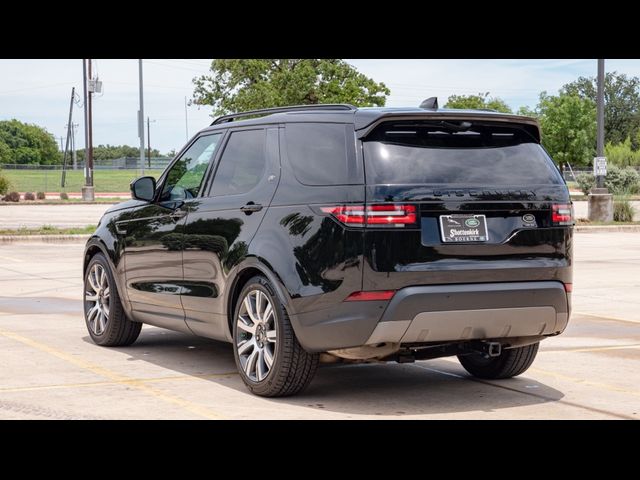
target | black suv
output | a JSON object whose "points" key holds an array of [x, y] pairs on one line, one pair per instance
{"points": [[334, 233]]}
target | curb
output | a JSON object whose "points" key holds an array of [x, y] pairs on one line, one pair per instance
{"points": [[607, 228], [44, 238]]}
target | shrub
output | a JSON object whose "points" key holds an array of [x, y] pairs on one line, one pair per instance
{"points": [[41, 196], [29, 196], [5, 185], [64, 196], [585, 182], [622, 181], [623, 211], [12, 197]]}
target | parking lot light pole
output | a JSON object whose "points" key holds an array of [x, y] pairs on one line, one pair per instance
{"points": [[600, 200], [141, 120], [88, 188]]}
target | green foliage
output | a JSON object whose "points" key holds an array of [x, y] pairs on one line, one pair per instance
{"points": [[41, 196], [622, 181], [528, 112], [622, 104], [25, 143], [568, 127], [247, 84], [619, 181], [5, 184], [482, 101], [64, 196], [623, 211], [12, 197], [586, 181], [622, 154], [29, 196], [111, 152]]}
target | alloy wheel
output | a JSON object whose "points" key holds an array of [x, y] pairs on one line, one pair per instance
{"points": [[256, 337], [97, 299]]}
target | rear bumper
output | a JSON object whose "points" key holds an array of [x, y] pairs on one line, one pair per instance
{"points": [[440, 313]]}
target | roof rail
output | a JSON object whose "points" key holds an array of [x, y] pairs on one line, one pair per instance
{"points": [[268, 111]]}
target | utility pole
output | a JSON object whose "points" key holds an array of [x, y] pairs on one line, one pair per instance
{"points": [[600, 121], [88, 189], [61, 145], [73, 146], [66, 149], [141, 120], [186, 121], [149, 142], [600, 206]]}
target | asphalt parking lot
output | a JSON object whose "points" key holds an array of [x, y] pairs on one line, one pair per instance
{"points": [[49, 369]]}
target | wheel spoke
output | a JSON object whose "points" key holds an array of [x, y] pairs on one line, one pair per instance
{"points": [[103, 278], [105, 309], [250, 311], [268, 312], [261, 371], [243, 324], [91, 297], [271, 336], [93, 311], [92, 280], [259, 297], [99, 323], [106, 291], [244, 346], [250, 365], [268, 357]]}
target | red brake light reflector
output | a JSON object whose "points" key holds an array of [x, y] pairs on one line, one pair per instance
{"points": [[562, 214], [379, 215], [371, 295], [568, 287]]}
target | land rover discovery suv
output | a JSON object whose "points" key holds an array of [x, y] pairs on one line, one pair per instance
{"points": [[333, 233]]}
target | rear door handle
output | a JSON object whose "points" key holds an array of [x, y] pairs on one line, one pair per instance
{"points": [[178, 214], [251, 207]]}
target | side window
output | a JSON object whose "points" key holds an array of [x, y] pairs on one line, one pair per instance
{"points": [[242, 164], [321, 153], [184, 180]]}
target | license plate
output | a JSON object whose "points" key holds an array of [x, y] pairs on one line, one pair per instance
{"points": [[463, 228]]}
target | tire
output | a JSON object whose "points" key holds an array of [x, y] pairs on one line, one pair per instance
{"points": [[292, 368], [113, 328], [509, 363]]}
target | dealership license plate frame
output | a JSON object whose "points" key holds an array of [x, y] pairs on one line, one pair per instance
{"points": [[460, 221]]}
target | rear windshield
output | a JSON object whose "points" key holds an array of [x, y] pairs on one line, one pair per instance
{"points": [[456, 153]]}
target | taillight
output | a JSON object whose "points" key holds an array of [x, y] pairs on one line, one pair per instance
{"points": [[562, 214], [379, 215], [370, 296], [568, 287]]}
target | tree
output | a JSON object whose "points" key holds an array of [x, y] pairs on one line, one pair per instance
{"points": [[247, 84], [622, 104], [568, 124], [110, 152], [482, 101], [25, 143], [527, 111]]}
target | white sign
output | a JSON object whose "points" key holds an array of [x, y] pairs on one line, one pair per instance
{"points": [[600, 166]]}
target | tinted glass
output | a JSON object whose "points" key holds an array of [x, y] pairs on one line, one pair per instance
{"points": [[479, 155], [318, 153], [242, 164], [184, 180]]}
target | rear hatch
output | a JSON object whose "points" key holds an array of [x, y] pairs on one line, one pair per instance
{"points": [[462, 201]]}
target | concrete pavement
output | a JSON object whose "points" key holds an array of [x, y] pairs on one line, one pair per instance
{"points": [[50, 369]]}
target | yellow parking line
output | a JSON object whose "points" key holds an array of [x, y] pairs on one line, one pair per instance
{"points": [[114, 376], [596, 349], [126, 382], [12, 259], [605, 317], [582, 381]]}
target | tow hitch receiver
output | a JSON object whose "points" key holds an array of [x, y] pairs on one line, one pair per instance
{"points": [[486, 349]]}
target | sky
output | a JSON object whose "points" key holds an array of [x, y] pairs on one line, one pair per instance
{"points": [[38, 91]]}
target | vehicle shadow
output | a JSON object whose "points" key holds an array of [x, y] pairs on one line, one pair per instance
{"points": [[385, 389]]}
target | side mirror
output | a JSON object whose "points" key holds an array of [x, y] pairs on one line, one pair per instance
{"points": [[143, 188]]}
